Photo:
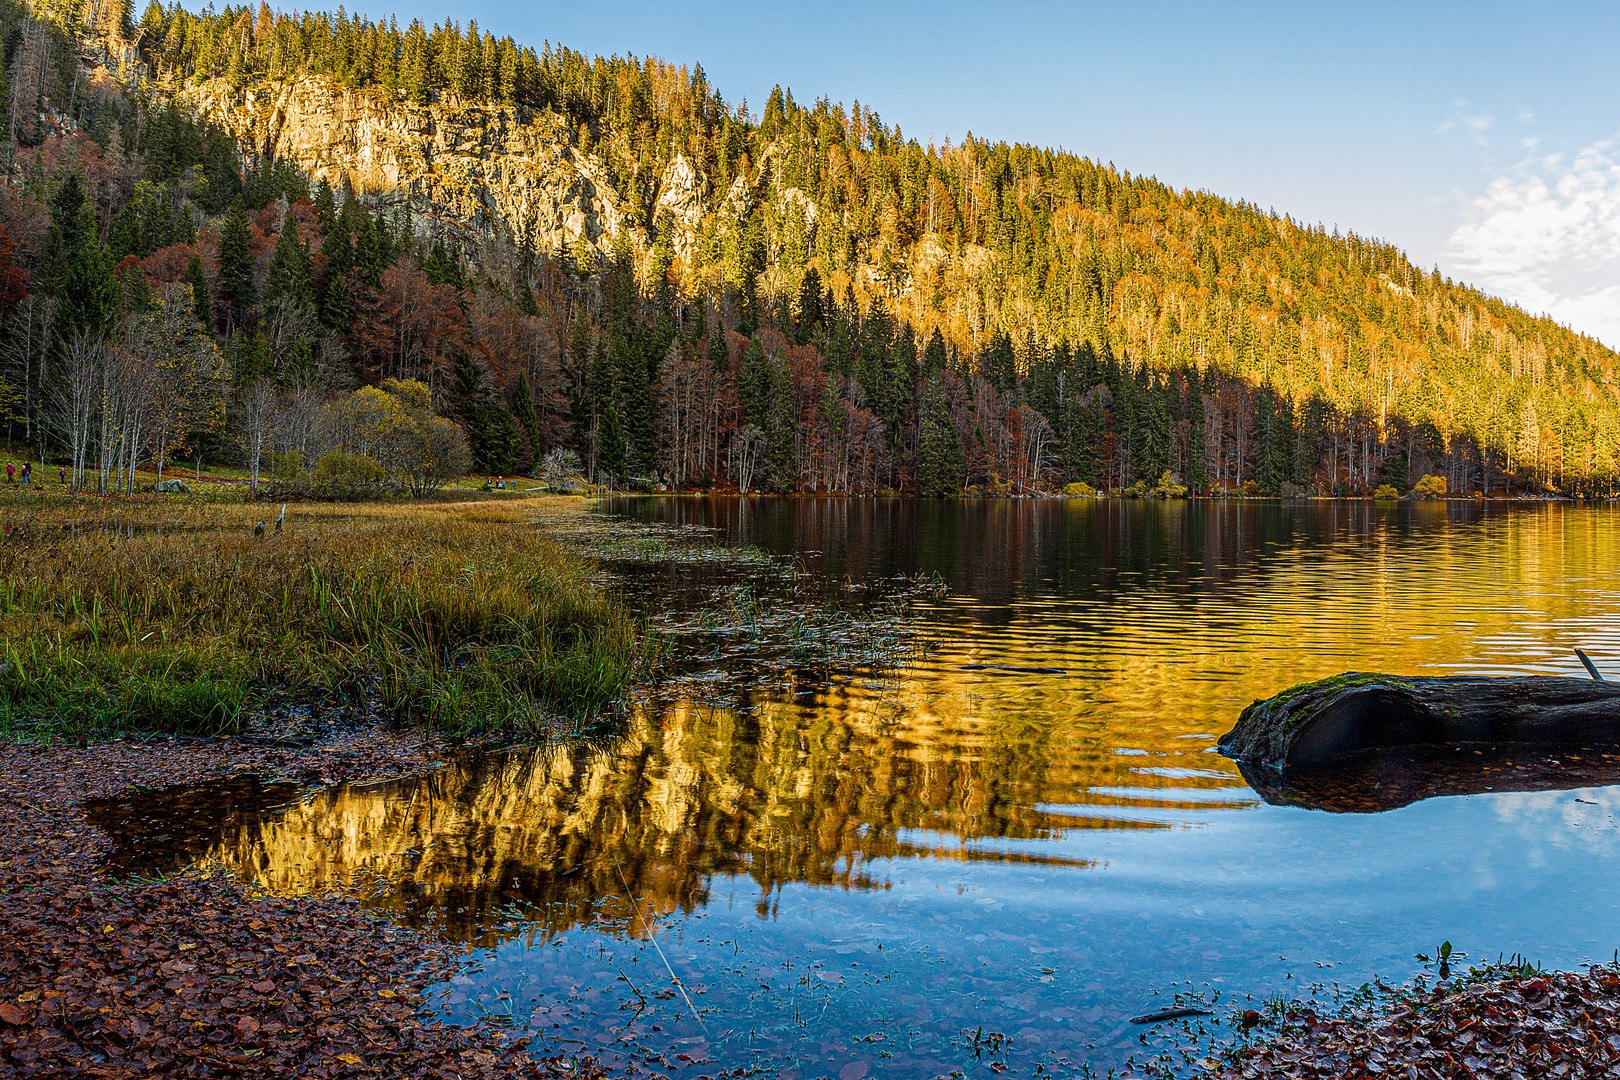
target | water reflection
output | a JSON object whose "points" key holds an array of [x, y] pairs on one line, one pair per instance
{"points": [[965, 845], [812, 790], [1377, 780]]}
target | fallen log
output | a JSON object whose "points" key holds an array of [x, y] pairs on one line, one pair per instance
{"points": [[1318, 724]]}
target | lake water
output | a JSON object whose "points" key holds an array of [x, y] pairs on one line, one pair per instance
{"points": [[955, 866]]}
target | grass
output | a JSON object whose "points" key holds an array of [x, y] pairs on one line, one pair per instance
{"points": [[168, 614]]}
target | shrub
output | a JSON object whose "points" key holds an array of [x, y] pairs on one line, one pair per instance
{"points": [[347, 476], [559, 467], [1079, 490], [283, 465], [1430, 487], [1290, 490], [1170, 487], [1386, 491]]}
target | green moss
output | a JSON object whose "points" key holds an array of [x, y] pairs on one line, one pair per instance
{"points": [[1298, 702]]}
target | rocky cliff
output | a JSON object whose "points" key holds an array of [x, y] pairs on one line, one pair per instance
{"points": [[479, 176]]}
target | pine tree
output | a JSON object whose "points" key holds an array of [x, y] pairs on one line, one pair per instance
{"points": [[199, 293], [73, 226], [940, 460], [523, 411], [88, 295], [719, 355], [934, 357], [236, 292], [289, 274]]}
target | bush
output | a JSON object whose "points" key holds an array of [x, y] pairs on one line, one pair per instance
{"points": [[1170, 487], [1290, 490], [1079, 490], [283, 465], [347, 476], [558, 469], [1430, 487], [1386, 491]]}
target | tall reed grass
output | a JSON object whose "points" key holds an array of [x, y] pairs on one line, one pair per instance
{"points": [[462, 617]]}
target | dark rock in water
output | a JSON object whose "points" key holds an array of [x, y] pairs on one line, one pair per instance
{"points": [[1320, 724], [1370, 781]]}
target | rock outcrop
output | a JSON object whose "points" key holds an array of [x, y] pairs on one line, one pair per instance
{"points": [[481, 177]]}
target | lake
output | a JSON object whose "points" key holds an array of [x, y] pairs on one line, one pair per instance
{"points": [[956, 866]]}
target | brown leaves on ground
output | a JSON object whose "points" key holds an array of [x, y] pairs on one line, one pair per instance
{"points": [[192, 977], [1514, 1026]]}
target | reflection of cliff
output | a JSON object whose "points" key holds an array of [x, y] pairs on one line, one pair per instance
{"points": [[782, 793]]}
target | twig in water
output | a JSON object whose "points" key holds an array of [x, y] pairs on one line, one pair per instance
{"points": [[1591, 668], [654, 936]]}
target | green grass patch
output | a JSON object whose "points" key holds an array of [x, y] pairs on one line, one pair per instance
{"points": [[463, 617]]}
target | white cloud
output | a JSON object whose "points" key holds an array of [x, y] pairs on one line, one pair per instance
{"points": [[1546, 235], [1477, 125]]}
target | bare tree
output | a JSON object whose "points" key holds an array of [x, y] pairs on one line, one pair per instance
{"points": [[75, 396], [256, 413]]}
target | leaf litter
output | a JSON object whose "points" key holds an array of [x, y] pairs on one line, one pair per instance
{"points": [[1510, 1020], [194, 975]]}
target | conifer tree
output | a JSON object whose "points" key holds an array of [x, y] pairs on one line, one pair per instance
{"points": [[719, 355], [199, 293], [288, 274], [72, 227], [236, 292], [939, 448], [523, 411]]}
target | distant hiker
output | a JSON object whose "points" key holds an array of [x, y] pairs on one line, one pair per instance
{"points": [[11, 472], [28, 471], [62, 475]]}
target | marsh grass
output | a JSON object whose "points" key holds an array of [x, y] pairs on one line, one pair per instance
{"points": [[123, 614]]}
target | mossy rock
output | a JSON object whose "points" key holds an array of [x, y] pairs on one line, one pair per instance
{"points": [[1315, 724]]}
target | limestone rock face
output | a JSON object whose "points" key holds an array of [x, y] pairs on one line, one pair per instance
{"points": [[683, 195], [477, 176]]}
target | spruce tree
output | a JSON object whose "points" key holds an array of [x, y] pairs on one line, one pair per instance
{"points": [[289, 275], [523, 410], [754, 384], [87, 300], [719, 355], [72, 227], [934, 357], [780, 448], [236, 293], [940, 460], [199, 293]]}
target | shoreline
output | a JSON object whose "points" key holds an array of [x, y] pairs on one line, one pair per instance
{"points": [[108, 977]]}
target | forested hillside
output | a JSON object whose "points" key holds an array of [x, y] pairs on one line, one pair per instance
{"points": [[802, 299]]}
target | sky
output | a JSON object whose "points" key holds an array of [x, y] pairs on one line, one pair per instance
{"points": [[1481, 137]]}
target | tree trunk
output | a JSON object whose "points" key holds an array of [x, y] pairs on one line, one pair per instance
{"points": [[1319, 724]]}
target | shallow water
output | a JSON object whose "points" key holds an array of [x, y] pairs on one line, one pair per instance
{"points": [[855, 875]]}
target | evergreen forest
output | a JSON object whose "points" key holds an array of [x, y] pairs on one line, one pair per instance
{"points": [[853, 311]]}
